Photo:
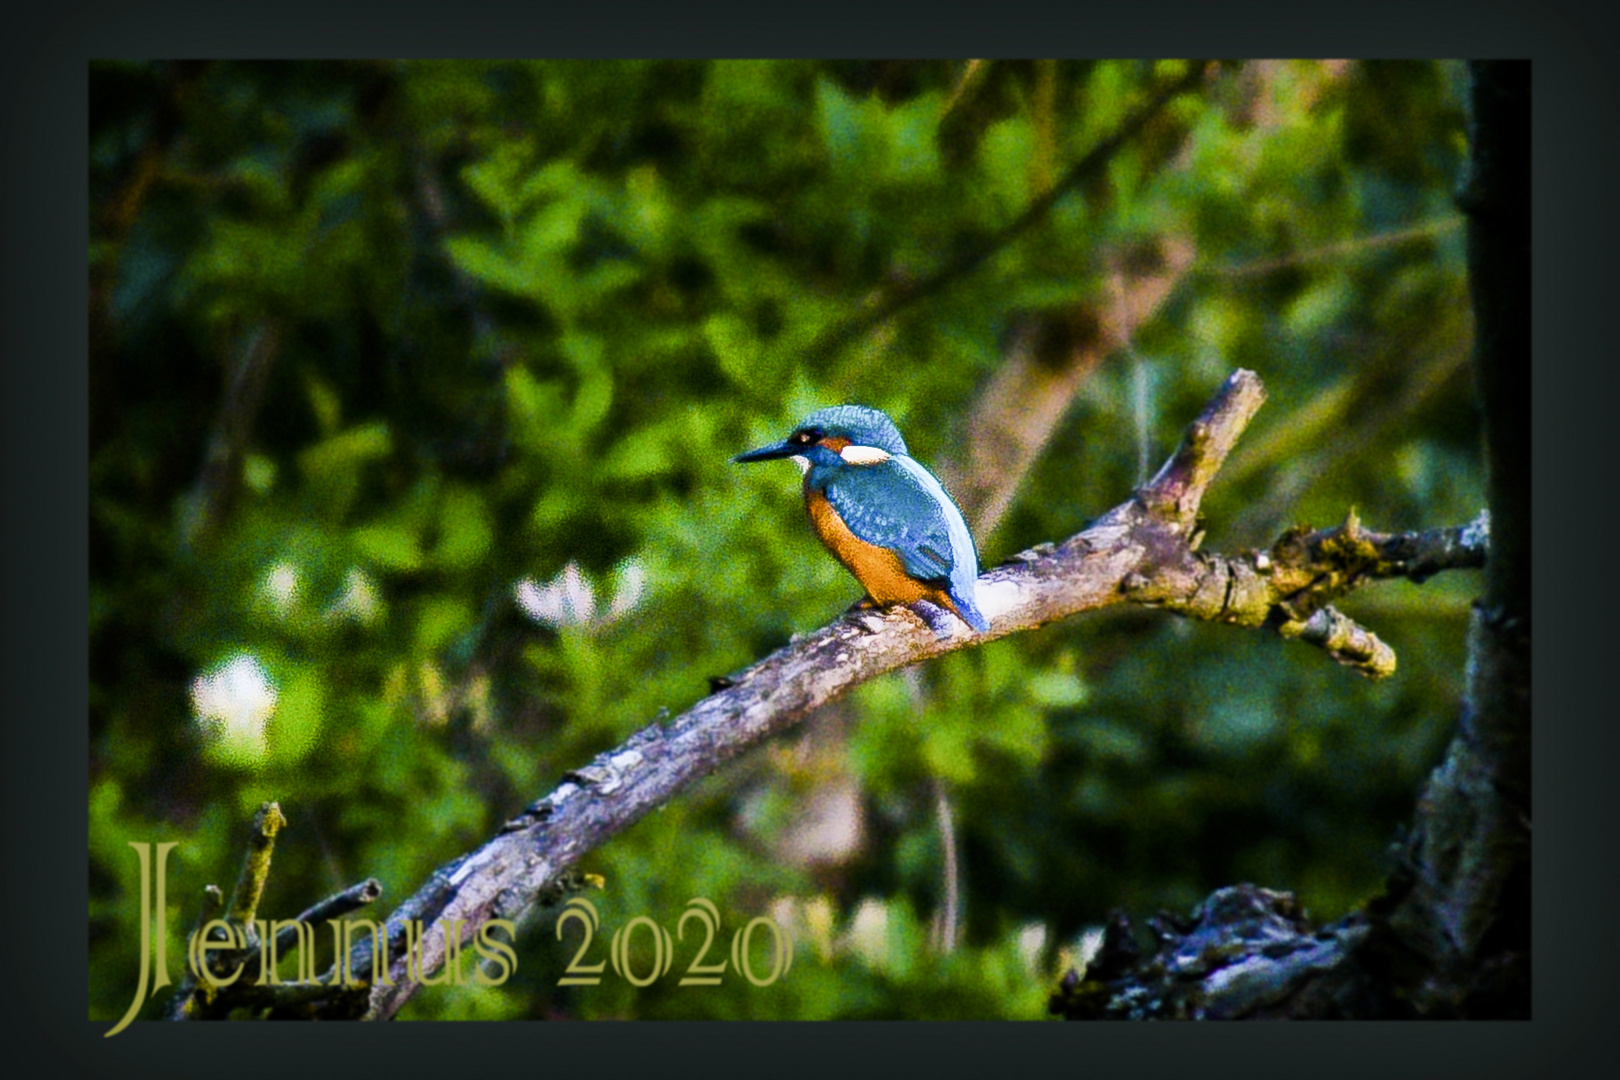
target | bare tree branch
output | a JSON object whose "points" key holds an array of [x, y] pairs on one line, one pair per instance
{"points": [[1289, 588], [1142, 551], [335, 906], [197, 999], [210, 500], [1148, 538]]}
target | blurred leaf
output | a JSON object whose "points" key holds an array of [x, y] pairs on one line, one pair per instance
{"points": [[465, 532], [390, 547], [296, 727]]}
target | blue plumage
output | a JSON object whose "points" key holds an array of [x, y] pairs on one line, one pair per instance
{"points": [[856, 460]]}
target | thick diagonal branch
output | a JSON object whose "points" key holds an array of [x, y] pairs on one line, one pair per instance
{"points": [[1141, 551], [505, 877]]}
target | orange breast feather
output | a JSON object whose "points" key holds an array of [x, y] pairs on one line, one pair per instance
{"points": [[878, 569]]}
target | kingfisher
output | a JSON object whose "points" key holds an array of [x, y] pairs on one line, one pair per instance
{"points": [[880, 513]]}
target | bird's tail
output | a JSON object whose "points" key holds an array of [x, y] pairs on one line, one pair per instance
{"points": [[969, 611]]}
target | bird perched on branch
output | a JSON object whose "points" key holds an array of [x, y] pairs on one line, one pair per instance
{"points": [[880, 513]]}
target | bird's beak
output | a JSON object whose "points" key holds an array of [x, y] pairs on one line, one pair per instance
{"points": [[782, 449]]}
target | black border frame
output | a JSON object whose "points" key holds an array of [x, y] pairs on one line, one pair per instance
{"points": [[44, 463]]}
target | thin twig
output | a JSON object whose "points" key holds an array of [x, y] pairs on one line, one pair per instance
{"points": [[336, 906], [950, 909], [1351, 248]]}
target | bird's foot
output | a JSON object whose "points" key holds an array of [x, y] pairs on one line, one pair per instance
{"points": [[936, 618], [871, 617]]}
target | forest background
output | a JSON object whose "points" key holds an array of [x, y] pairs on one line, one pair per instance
{"points": [[414, 387]]}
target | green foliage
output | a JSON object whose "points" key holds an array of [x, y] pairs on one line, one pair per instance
{"points": [[384, 352]]}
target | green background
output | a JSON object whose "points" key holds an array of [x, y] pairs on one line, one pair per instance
{"points": [[373, 344]]}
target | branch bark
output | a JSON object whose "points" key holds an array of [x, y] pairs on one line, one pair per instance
{"points": [[1147, 542], [503, 878], [1143, 551]]}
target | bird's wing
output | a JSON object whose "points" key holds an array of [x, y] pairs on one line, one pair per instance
{"points": [[891, 506]]}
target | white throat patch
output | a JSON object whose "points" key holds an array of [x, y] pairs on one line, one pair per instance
{"points": [[863, 455]]}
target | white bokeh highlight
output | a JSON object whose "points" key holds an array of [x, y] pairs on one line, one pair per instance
{"points": [[232, 705]]}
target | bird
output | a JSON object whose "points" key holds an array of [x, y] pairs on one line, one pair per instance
{"points": [[880, 512]]}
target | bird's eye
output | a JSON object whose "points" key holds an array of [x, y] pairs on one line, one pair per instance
{"points": [[804, 438]]}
